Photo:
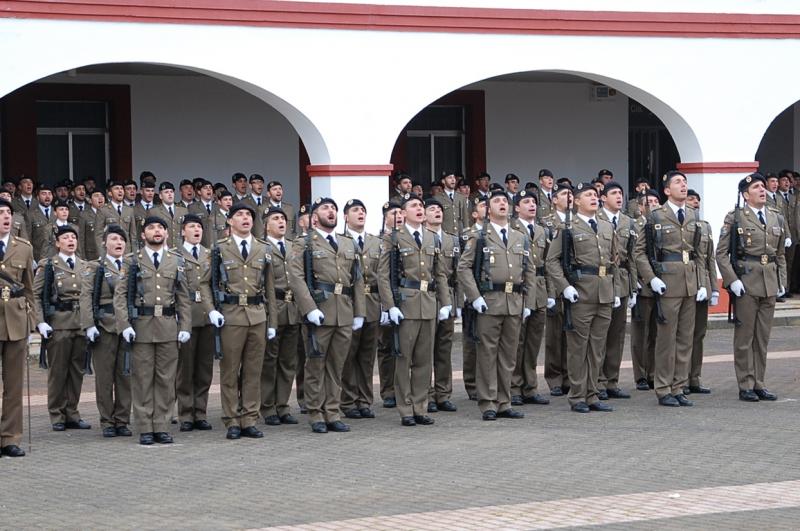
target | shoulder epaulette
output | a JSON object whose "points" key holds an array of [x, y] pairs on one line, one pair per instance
{"points": [[22, 240], [774, 209], [223, 240], [261, 240], [347, 235]]}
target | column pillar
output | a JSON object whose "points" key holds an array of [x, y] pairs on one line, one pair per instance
{"points": [[369, 183]]}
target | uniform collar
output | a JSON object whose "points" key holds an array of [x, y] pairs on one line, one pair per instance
{"points": [[188, 246], [586, 218], [150, 253], [64, 257], [239, 241], [325, 234]]}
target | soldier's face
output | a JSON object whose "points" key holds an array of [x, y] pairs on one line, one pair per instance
{"points": [[356, 217], [433, 215], [192, 232], [613, 199], [326, 215], [586, 202], [79, 193], [785, 183], [652, 201], [62, 213], [241, 222], [62, 192], [302, 222], [414, 211], [6, 218], [464, 189], [89, 184], [526, 209], [693, 201], [677, 188], [257, 187], [772, 184], [117, 194], [450, 182], [393, 217], [9, 187], [187, 193], [115, 244], [276, 193], [562, 199], [605, 179], [98, 200], [642, 187], [479, 212], [512, 186], [276, 226], [405, 186], [206, 193], [148, 194], [482, 184], [167, 196], [66, 243], [45, 197], [226, 202], [26, 186], [756, 194], [240, 186], [130, 192], [546, 181], [417, 190], [436, 189], [498, 207], [154, 234]]}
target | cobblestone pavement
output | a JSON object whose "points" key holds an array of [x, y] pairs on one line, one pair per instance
{"points": [[554, 462]]}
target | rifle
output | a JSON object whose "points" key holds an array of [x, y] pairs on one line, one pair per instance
{"points": [[734, 246], [566, 263], [48, 309], [308, 273], [655, 265], [133, 313], [480, 272], [97, 288], [395, 272], [636, 311], [217, 274]]}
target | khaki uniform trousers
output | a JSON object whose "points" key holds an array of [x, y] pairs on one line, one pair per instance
{"points": [[751, 338], [195, 371], [442, 388], [299, 376], [643, 340], [277, 373], [524, 380], [153, 368], [497, 354], [412, 372], [323, 374], [112, 389], [240, 373], [614, 345], [358, 368], [699, 336], [13, 355], [585, 350], [66, 352], [555, 348], [674, 345], [386, 362]]}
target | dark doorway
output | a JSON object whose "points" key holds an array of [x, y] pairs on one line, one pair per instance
{"points": [[651, 150]]}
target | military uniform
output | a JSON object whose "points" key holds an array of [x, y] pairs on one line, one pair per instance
{"points": [[162, 295], [112, 387], [21, 207], [16, 310], [87, 243], [107, 215], [260, 205], [291, 216], [449, 245], [555, 340], [339, 295], [139, 214], [41, 230], [207, 216], [67, 345], [545, 207], [455, 212], [643, 338], [708, 281], [469, 349], [174, 222], [18, 227]]}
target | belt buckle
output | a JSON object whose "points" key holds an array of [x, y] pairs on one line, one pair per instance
{"points": [[288, 296], [423, 285], [337, 289], [601, 271], [367, 289], [5, 293], [158, 310], [509, 287], [764, 259], [242, 300], [685, 256]]}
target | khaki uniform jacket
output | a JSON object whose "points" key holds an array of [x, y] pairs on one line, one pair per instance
{"points": [[589, 250], [551, 224], [21, 208], [291, 219], [418, 264], [538, 249], [506, 264], [628, 230], [709, 280], [165, 286], [370, 258], [41, 231], [544, 205], [251, 278], [18, 226], [331, 267], [66, 288], [760, 280], [87, 243], [16, 314], [455, 213], [195, 271], [260, 210], [682, 279], [139, 213], [450, 253], [107, 215], [198, 208], [286, 308], [111, 277], [174, 223], [75, 213]]}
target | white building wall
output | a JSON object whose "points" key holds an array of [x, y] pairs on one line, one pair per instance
{"points": [[557, 126]]}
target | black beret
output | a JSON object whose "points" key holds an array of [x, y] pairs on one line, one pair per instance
{"points": [[116, 229], [352, 203], [238, 177], [4, 203], [745, 183], [218, 186], [407, 198], [530, 186], [64, 229], [522, 194], [129, 182], [564, 180], [511, 177], [604, 172], [185, 182], [497, 193], [432, 201], [44, 187], [60, 203], [583, 187], [692, 193], [318, 202], [241, 205], [197, 181], [653, 193], [400, 176], [113, 184], [166, 185], [224, 193], [667, 178], [389, 205], [446, 173], [273, 183], [149, 183], [462, 182], [24, 177], [274, 210], [545, 173], [66, 183], [256, 177], [191, 218], [98, 190], [642, 180], [494, 187], [564, 185], [146, 175], [483, 175], [610, 185], [149, 220]]}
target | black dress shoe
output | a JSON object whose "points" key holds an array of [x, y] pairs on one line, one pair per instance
{"points": [[12, 450], [59, 426], [389, 402], [516, 400], [602, 394], [187, 426], [641, 385], [669, 401], [682, 400], [651, 384], [447, 406], [408, 421], [202, 425], [580, 407], [618, 393], [423, 420], [109, 432], [173, 420], [432, 408], [366, 413], [288, 419], [764, 394], [252, 432], [319, 427], [79, 425], [536, 399], [146, 439], [472, 396], [565, 388], [162, 437], [123, 431], [686, 390], [746, 395], [600, 406], [272, 420], [557, 391], [234, 432], [338, 426], [511, 414], [353, 413], [489, 414], [699, 389]]}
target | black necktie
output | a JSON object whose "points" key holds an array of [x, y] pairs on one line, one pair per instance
{"points": [[282, 248], [47, 213], [503, 234], [258, 201], [171, 213], [71, 263], [147, 206], [593, 225], [333, 243], [786, 196], [681, 216], [451, 195], [80, 207], [417, 239], [761, 218], [361, 243], [155, 260], [119, 209], [119, 264], [614, 222], [208, 207], [194, 252], [27, 203], [2, 250], [244, 249], [530, 230]]}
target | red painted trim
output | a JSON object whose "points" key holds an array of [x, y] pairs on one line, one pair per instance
{"points": [[276, 13], [718, 167], [345, 170]]}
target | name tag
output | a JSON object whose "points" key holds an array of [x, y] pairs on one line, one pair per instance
{"points": [[198, 297]]}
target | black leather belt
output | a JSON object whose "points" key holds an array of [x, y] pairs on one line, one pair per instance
{"points": [[763, 258], [508, 287], [336, 289], [107, 308], [601, 271], [669, 256], [422, 285], [624, 265], [242, 300], [66, 306], [284, 294], [540, 271], [157, 311], [371, 289]]}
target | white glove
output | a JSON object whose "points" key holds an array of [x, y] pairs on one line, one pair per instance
{"points": [[315, 317], [658, 286], [787, 243], [216, 318], [571, 294], [45, 329], [551, 303], [617, 303], [358, 322], [444, 312], [714, 298], [395, 315], [702, 295], [458, 313], [526, 312], [480, 305], [129, 335], [384, 318], [781, 291], [184, 336], [92, 333], [632, 301], [737, 288], [271, 333], [638, 285]]}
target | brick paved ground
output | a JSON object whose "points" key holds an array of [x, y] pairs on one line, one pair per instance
{"points": [[79, 480]]}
